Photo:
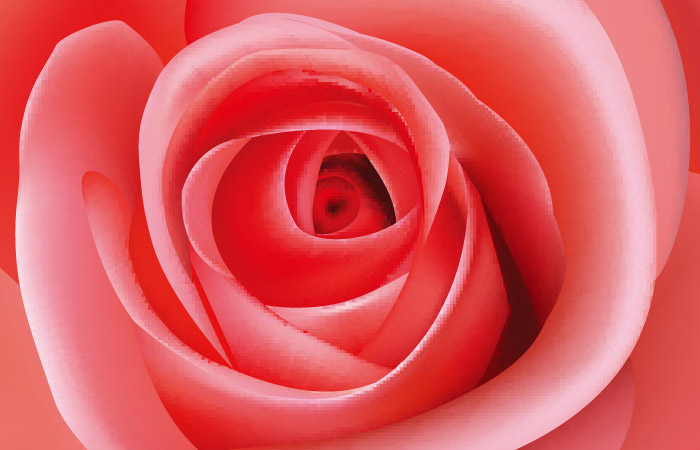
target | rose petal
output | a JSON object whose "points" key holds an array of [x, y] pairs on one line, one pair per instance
{"points": [[347, 325], [649, 54], [601, 425], [38, 26], [395, 168], [83, 115], [110, 220], [449, 360], [268, 348], [430, 278], [302, 176], [198, 199]]}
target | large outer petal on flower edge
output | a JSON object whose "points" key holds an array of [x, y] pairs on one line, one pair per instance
{"points": [[647, 49], [29, 30], [665, 362], [601, 425], [658, 388], [666, 365], [684, 16], [582, 125], [666, 358], [84, 115]]}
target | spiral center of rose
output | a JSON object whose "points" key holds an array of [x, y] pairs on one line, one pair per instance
{"points": [[350, 196], [336, 205]]}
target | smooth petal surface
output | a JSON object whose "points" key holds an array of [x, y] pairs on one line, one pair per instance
{"points": [[348, 325], [29, 31], [84, 337], [645, 43], [667, 357], [601, 425], [266, 347]]}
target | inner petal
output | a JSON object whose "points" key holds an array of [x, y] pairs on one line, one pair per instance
{"points": [[351, 198]]}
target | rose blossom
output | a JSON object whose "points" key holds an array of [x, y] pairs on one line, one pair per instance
{"points": [[298, 234]]}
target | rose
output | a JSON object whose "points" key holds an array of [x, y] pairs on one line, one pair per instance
{"points": [[220, 143], [100, 194]]}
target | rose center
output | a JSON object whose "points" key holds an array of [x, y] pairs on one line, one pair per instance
{"points": [[336, 204]]}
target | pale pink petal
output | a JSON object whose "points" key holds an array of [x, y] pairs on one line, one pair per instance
{"points": [[348, 325], [83, 115], [647, 48], [601, 425], [268, 348]]}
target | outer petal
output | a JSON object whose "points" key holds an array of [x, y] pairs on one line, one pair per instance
{"points": [[601, 425], [582, 126], [647, 49], [29, 30], [684, 16], [84, 114], [667, 357]]}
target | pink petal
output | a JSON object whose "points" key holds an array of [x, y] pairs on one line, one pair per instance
{"points": [[29, 32], [84, 114], [645, 43], [684, 16], [601, 425], [667, 357]]}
